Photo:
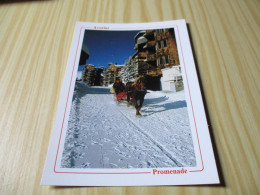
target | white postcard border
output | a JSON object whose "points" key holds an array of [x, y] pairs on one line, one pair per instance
{"points": [[204, 173]]}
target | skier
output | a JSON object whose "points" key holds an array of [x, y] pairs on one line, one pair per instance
{"points": [[119, 86]]}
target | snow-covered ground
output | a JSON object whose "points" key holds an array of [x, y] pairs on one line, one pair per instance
{"points": [[104, 134]]}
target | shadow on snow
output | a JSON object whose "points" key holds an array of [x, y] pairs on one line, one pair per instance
{"points": [[156, 105]]}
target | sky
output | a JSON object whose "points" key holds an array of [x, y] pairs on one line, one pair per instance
{"points": [[109, 46]]}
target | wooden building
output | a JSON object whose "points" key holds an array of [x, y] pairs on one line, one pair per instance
{"points": [[92, 76], [150, 47], [155, 50], [161, 50], [166, 48], [141, 54], [111, 73]]}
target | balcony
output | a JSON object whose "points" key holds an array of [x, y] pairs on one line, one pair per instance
{"points": [[151, 57], [142, 55], [161, 66], [149, 44], [162, 36], [154, 72], [162, 51], [149, 33]]}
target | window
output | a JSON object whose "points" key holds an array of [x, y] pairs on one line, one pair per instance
{"points": [[165, 43], [159, 45], [166, 59], [161, 60], [158, 31], [162, 44]]}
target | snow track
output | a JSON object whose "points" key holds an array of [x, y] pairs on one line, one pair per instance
{"points": [[104, 134], [152, 140]]}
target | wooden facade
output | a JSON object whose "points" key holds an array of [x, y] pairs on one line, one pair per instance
{"points": [[166, 48], [92, 75], [141, 54], [156, 49], [111, 73]]}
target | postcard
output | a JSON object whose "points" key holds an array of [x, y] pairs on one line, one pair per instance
{"points": [[130, 111]]}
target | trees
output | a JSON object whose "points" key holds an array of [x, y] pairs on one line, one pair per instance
{"points": [[130, 71]]}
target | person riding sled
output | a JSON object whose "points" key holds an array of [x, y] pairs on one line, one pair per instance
{"points": [[118, 86]]}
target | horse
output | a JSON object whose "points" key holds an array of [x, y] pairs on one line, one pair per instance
{"points": [[135, 92]]}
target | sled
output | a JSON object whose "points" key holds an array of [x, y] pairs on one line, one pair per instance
{"points": [[121, 96]]}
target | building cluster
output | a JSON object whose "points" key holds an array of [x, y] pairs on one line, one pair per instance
{"points": [[92, 76], [112, 73], [156, 57], [99, 76]]}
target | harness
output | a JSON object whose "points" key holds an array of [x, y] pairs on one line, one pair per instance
{"points": [[136, 86]]}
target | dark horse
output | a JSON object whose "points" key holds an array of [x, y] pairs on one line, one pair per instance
{"points": [[135, 92]]}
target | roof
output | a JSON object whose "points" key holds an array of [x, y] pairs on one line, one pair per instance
{"points": [[119, 66], [140, 33], [141, 40]]}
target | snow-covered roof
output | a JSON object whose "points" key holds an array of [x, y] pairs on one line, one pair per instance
{"points": [[141, 40], [140, 33], [119, 65]]}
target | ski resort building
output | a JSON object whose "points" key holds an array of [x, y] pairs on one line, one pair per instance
{"points": [[85, 71], [152, 69], [92, 75], [156, 50], [111, 73], [141, 54], [166, 48]]}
